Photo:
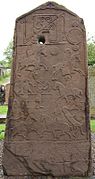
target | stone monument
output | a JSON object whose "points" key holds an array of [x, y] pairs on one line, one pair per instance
{"points": [[47, 132]]}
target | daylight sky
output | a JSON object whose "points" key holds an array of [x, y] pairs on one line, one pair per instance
{"points": [[11, 9]]}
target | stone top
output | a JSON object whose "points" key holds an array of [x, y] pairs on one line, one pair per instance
{"points": [[48, 5]]}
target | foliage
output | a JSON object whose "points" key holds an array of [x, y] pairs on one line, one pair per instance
{"points": [[5, 78], [6, 62], [3, 109], [91, 51]]}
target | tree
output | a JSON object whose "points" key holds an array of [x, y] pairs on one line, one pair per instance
{"points": [[7, 61], [91, 51]]}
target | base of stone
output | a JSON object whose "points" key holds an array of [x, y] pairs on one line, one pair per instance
{"points": [[46, 177]]}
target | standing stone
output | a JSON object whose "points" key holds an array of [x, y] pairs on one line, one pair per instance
{"points": [[47, 131]]}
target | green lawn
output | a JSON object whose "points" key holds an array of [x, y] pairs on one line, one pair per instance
{"points": [[92, 124], [3, 109], [2, 131]]}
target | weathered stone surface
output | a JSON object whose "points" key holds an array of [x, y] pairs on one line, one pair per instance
{"points": [[47, 131]]}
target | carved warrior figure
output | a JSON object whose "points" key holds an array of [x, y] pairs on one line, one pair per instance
{"points": [[47, 132]]}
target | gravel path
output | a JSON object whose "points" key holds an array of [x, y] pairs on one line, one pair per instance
{"points": [[93, 159], [1, 149]]}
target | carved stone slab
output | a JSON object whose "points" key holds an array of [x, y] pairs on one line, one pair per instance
{"points": [[47, 131]]}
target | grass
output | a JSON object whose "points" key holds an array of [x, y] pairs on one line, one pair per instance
{"points": [[92, 124], [2, 131], [3, 109], [92, 111]]}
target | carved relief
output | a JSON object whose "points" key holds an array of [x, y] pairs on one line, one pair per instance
{"points": [[75, 47], [46, 81], [45, 24], [74, 36]]}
